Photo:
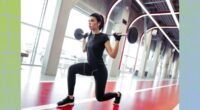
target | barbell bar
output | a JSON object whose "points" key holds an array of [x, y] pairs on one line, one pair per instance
{"points": [[132, 34]]}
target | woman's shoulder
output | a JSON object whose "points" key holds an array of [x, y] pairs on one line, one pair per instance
{"points": [[105, 36]]}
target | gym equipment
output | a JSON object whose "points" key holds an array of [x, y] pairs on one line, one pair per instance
{"points": [[132, 34], [78, 34]]}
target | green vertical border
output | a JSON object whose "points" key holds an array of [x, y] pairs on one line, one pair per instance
{"points": [[10, 55], [190, 54]]}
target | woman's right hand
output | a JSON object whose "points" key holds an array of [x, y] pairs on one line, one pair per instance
{"points": [[84, 45], [85, 35]]}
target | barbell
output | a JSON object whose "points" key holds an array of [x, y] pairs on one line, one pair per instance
{"points": [[132, 34]]}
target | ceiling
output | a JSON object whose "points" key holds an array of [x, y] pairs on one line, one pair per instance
{"points": [[152, 6], [160, 6]]}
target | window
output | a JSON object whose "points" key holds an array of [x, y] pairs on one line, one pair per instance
{"points": [[49, 15], [31, 11], [72, 48], [44, 36], [75, 22], [31, 31], [129, 57], [28, 36]]}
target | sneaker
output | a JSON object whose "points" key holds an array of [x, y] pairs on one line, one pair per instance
{"points": [[117, 99], [66, 101]]}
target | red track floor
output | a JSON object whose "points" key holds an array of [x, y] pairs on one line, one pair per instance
{"points": [[136, 95]]}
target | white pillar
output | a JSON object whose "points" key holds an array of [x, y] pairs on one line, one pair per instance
{"points": [[176, 68], [56, 37], [166, 63], [156, 58], [170, 64], [147, 43], [114, 71]]}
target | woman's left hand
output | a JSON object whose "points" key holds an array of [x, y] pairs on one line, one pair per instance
{"points": [[117, 36]]}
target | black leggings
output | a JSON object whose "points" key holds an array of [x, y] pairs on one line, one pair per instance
{"points": [[100, 75]]}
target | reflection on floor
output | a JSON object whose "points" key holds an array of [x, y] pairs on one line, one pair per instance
{"points": [[137, 94]]}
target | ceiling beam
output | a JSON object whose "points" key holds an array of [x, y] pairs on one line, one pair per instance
{"points": [[153, 14], [146, 11], [169, 4]]}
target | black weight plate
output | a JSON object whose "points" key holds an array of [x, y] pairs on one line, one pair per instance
{"points": [[78, 34], [132, 35]]}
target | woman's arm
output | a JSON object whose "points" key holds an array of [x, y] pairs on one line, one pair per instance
{"points": [[84, 48], [84, 45], [112, 51]]}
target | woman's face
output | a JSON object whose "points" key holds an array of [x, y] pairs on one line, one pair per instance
{"points": [[93, 23]]}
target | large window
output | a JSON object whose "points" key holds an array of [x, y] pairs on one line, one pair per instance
{"points": [[77, 20], [72, 48], [44, 36], [129, 57], [48, 18], [28, 35], [36, 20], [31, 11], [71, 53]]}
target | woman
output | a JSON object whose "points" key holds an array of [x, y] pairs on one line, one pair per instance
{"points": [[97, 42]]}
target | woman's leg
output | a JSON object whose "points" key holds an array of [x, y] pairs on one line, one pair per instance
{"points": [[100, 80], [80, 68]]}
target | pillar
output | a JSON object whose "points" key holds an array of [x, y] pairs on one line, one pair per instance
{"points": [[176, 68], [147, 43], [170, 64], [156, 58], [114, 63], [56, 37], [166, 63]]}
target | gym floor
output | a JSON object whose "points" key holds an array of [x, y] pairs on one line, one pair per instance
{"points": [[136, 94]]}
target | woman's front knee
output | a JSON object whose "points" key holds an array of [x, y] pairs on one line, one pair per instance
{"points": [[99, 98], [72, 68]]}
